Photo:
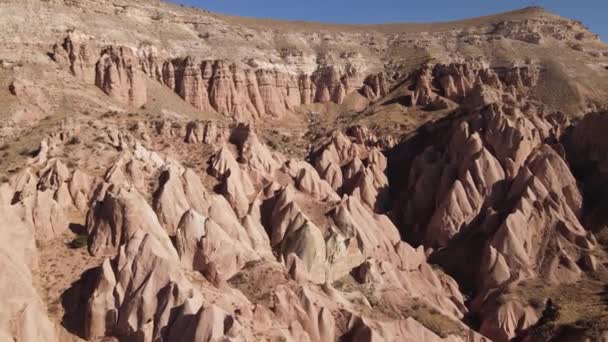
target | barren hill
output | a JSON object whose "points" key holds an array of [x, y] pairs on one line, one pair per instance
{"points": [[171, 174]]}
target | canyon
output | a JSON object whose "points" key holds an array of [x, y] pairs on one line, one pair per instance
{"points": [[172, 174]]}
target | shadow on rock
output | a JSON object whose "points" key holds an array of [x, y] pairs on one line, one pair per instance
{"points": [[74, 302]]}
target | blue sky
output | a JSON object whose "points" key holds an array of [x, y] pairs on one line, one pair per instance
{"points": [[593, 13]]}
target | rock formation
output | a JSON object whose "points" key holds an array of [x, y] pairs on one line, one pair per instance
{"points": [[169, 174], [472, 84], [114, 69], [523, 182], [252, 93], [24, 317], [117, 75], [128, 299]]}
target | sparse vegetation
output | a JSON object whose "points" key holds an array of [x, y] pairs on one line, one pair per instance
{"points": [[581, 306], [74, 141], [434, 320], [537, 303], [25, 152], [156, 17], [109, 114], [79, 241]]}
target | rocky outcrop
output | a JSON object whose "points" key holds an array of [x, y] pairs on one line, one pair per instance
{"points": [[79, 58], [209, 324], [117, 216], [201, 242], [48, 197], [545, 176], [290, 220], [178, 192], [587, 153], [504, 322], [539, 30], [468, 174], [207, 133], [209, 85], [306, 309], [118, 75], [506, 183], [375, 86], [236, 184], [305, 241], [258, 159], [424, 93], [473, 85], [252, 93], [308, 181], [136, 292], [248, 93], [114, 69], [24, 316], [361, 329], [353, 164]]}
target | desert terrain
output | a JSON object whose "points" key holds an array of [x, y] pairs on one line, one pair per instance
{"points": [[173, 174]]}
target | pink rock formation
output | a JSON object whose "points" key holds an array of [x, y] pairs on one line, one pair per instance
{"points": [[508, 183], [23, 317], [224, 87], [257, 157], [137, 290], [365, 239], [204, 133], [114, 69], [209, 324], [201, 242], [47, 199], [305, 240], [118, 216], [210, 85], [119, 76], [80, 58], [308, 181], [507, 321], [424, 93], [472, 84], [375, 86], [126, 171], [178, 192], [236, 184]]}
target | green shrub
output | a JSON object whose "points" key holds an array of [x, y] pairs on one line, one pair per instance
{"points": [[74, 141], [79, 242]]}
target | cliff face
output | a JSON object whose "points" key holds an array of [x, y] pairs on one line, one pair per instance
{"points": [[250, 69], [113, 69], [230, 90], [472, 85], [208, 85]]}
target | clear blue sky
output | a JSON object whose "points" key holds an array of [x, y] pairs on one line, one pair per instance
{"points": [[593, 13]]}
